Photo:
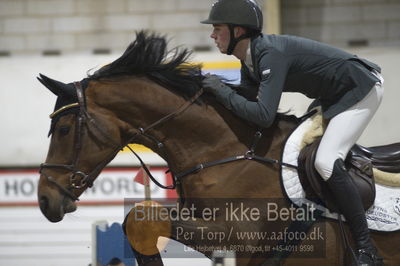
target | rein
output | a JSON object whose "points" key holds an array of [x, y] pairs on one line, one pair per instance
{"points": [[78, 179]]}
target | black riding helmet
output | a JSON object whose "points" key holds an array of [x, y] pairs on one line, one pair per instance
{"points": [[245, 13]]}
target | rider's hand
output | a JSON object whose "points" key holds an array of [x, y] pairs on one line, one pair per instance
{"points": [[212, 83]]}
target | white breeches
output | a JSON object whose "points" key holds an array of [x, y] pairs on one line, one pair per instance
{"points": [[345, 129]]}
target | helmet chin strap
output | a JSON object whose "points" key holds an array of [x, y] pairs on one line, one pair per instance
{"points": [[233, 41]]}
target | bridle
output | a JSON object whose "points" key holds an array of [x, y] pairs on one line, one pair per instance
{"points": [[78, 179]]}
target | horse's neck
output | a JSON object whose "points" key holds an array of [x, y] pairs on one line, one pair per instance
{"points": [[199, 134], [139, 102]]}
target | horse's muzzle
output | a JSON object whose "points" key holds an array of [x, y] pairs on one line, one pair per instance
{"points": [[54, 210]]}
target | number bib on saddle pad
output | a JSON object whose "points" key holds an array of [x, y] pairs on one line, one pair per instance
{"points": [[383, 215]]}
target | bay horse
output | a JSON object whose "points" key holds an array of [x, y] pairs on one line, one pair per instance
{"points": [[152, 96]]}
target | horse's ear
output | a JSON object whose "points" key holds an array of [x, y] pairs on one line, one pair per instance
{"points": [[57, 87]]}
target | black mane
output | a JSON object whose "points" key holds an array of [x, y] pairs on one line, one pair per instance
{"points": [[148, 55]]}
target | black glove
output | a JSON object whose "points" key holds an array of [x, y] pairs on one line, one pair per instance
{"points": [[212, 83]]}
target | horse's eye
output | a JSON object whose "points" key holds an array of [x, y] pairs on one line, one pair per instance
{"points": [[64, 130]]}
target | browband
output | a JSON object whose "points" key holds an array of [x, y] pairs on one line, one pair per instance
{"points": [[65, 107]]}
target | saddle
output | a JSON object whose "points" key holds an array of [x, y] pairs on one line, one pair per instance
{"points": [[359, 167], [385, 158]]}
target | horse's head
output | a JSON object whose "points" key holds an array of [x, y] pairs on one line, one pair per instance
{"points": [[83, 140], [144, 94]]}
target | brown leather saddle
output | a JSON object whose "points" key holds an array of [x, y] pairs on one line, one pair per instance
{"points": [[359, 167], [385, 158]]}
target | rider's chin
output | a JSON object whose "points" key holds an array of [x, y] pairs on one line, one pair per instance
{"points": [[222, 49]]}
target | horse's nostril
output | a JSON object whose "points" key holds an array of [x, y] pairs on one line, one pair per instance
{"points": [[43, 203]]}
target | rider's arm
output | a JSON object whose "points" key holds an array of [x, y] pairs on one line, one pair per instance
{"points": [[248, 87], [273, 68]]}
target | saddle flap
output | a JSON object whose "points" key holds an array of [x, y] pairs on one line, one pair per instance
{"points": [[360, 163], [359, 168], [361, 171], [312, 182]]}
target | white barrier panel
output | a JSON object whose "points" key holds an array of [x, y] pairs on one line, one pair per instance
{"points": [[19, 187]]}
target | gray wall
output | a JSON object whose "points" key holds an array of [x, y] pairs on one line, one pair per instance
{"points": [[344, 22], [84, 25]]}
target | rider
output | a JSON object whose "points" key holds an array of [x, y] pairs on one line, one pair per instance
{"points": [[348, 88]]}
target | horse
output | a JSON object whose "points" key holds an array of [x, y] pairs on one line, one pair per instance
{"points": [[153, 96]]}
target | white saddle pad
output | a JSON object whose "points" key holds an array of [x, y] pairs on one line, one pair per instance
{"points": [[384, 215]]}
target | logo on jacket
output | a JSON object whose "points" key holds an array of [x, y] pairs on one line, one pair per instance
{"points": [[266, 72]]}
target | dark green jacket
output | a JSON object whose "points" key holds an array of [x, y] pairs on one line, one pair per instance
{"points": [[293, 64]]}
